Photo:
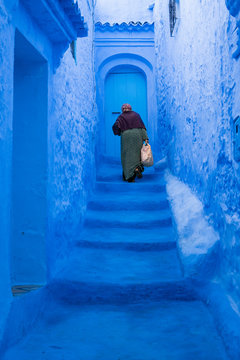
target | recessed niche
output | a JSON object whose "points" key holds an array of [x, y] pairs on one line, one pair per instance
{"points": [[29, 164]]}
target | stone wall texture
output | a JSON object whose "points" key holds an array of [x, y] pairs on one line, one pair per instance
{"points": [[198, 98], [71, 141]]}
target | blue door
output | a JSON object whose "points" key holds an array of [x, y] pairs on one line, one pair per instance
{"points": [[122, 86]]}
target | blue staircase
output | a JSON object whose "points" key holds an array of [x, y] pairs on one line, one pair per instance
{"points": [[122, 294]]}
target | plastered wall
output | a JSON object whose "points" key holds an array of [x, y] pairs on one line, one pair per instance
{"points": [[198, 99], [6, 80], [69, 136], [72, 141]]}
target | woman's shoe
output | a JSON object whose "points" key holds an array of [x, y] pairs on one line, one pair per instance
{"points": [[138, 172], [131, 179]]}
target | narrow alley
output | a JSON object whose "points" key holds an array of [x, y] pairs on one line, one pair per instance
{"points": [[101, 260]]}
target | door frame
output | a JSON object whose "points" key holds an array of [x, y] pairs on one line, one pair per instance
{"points": [[124, 69], [142, 65]]}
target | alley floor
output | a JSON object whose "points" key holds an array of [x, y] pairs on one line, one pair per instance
{"points": [[122, 294]]}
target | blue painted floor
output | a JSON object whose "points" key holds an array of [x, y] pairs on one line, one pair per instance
{"points": [[122, 295]]}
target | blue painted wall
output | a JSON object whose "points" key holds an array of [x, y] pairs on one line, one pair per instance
{"points": [[47, 144], [198, 100], [72, 131], [6, 94], [29, 165]]}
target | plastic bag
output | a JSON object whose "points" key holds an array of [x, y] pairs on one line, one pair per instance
{"points": [[146, 155]]}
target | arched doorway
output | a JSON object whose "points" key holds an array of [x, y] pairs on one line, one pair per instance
{"points": [[125, 84]]}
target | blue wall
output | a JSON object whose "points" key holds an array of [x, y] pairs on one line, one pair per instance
{"points": [[47, 144], [29, 165], [6, 94], [72, 129], [198, 100]]}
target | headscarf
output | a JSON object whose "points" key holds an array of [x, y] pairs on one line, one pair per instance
{"points": [[126, 108]]}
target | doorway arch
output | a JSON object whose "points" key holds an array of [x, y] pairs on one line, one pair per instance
{"points": [[125, 60], [123, 84]]}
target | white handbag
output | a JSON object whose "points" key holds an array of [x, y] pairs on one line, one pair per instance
{"points": [[146, 155]]}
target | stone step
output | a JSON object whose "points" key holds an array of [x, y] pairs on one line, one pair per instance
{"points": [[83, 293], [115, 175], [128, 219], [128, 202], [116, 276], [137, 188], [131, 246], [119, 267], [128, 236], [129, 196]]}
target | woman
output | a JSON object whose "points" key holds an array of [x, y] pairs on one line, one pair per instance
{"points": [[132, 130]]}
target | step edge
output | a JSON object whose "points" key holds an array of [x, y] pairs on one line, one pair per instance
{"points": [[128, 246]]}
